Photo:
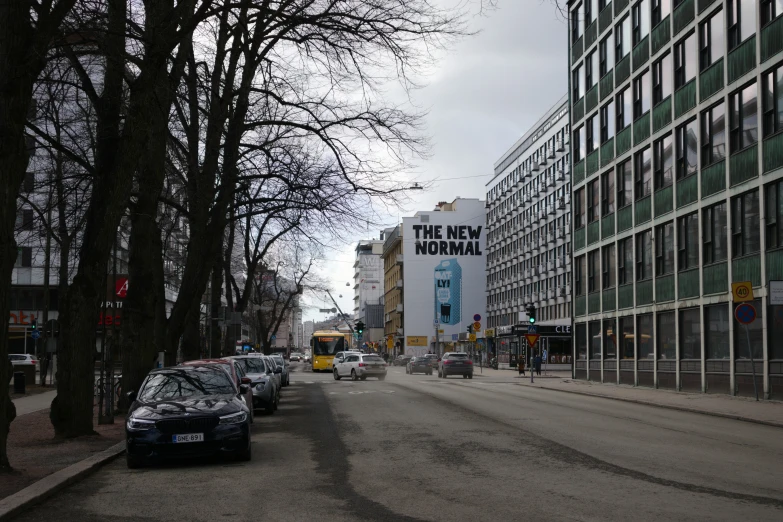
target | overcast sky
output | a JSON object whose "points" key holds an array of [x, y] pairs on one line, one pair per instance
{"points": [[482, 97]]}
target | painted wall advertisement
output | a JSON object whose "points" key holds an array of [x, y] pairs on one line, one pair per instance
{"points": [[444, 273]]}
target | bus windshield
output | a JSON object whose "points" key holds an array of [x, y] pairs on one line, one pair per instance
{"points": [[328, 345]]}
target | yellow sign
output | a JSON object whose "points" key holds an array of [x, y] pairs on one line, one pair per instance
{"points": [[390, 343], [742, 291], [532, 339], [440, 331], [477, 326], [417, 340], [489, 332], [472, 338]]}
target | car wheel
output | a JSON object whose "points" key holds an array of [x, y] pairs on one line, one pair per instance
{"points": [[381, 377], [277, 401], [246, 455], [364, 377], [252, 416], [444, 373], [336, 376], [464, 375], [133, 462], [270, 408], [470, 376], [353, 375]]}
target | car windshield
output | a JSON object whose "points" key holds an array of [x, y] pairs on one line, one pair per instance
{"points": [[458, 356], [180, 383], [371, 358], [252, 365], [330, 345]]}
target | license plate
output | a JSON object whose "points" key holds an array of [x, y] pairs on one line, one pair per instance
{"points": [[188, 437]]}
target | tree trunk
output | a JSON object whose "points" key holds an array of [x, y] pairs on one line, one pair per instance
{"points": [[214, 344], [191, 339]]}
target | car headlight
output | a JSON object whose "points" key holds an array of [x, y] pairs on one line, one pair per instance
{"points": [[235, 418], [260, 386], [134, 424]]}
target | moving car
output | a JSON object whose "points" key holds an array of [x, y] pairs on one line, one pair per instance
{"points": [[419, 365], [295, 357], [455, 363], [22, 359], [187, 411], [402, 360], [359, 366], [266, 395], [433, 360], [284, 378], [234, 371]]}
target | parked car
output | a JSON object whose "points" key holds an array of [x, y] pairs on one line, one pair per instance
{"points": [[266, 395], [274, 370], [433, 360], [22, 359], [455, 363], [402, 360], [360, 366], [419, 365], [285, 377], [187, 411], [234, 371]]}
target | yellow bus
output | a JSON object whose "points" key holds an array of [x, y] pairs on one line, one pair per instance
{"points": [[323, 345]]}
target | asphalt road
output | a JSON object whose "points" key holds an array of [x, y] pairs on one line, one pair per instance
{"points": [[421, 448]]}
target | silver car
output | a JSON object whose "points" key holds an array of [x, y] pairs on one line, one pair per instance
{"points": [[266, 394], [360, 366], [285, 380]]}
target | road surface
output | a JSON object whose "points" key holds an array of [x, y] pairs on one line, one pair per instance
{"points": [[423, 448]]}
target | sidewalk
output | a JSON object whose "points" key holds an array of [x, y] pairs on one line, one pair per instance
{"points": [[762, 412], [33, 403]]}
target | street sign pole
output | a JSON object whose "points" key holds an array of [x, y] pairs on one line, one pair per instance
{"points": [[752, 364], [745, 314]]}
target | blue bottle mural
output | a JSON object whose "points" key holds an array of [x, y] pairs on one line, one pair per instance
{"points": [[448, 292]]}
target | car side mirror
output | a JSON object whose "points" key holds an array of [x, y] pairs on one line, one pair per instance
{"points": [[278, 370], [243, 389], [245, 380], [131, 395]]}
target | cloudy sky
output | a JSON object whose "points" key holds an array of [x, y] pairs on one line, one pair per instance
{"points": [[484, 94]]}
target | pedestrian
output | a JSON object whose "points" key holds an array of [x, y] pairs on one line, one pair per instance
{"points": [[521, 366], [537, 364]]}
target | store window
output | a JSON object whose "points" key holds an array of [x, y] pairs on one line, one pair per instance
{"points": [[645, 336], [667, 347], [690, 334], [595, 339], [716, 331], [610, 338], [580, 332], [626, 338]]}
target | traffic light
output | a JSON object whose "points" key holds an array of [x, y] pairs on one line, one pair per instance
{"points": [[470, 328], [34, 324], [359, 327], [531, 313]]}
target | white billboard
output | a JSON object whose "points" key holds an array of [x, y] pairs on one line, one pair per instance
{"points": [[444, 272]]}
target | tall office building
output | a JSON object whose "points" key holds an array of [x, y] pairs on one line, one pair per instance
{"points": [[676, 114], [529, 239]]}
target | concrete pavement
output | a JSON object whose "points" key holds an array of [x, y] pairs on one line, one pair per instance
{"points": [[422, 448], [33, 403]]}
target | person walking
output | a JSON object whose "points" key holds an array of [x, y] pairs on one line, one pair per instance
{"points": [[537, 364], [521, 366]]}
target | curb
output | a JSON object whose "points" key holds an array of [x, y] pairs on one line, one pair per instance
{"points": [[51, 484], [667, 407]]}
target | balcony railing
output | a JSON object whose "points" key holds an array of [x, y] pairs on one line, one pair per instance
{"points": [[684, 15], [685, 98], [607, 226], [773, 152], [591, 98], [662, 114], [608, 298], [664, 288], [747, 268], [641, 53], [742, 59], [713, 179], [644, 292], [641, 128], [606, 84], [661, 34], [592, 163], [623, 70], [579, 172], [775, 265], [624, 140], [643, 210], [743, 165], [664, 200], [687, 190], [579, 109], [605, 18], [688, 283], [625, 296], [625, 218], [593, 232], [772, 39], [716, 278], [711, 80], [607, 152], [577, 49]]}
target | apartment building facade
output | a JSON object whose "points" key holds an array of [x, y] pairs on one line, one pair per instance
{"points": [[529, 235], [676, 152], [394, 317]]}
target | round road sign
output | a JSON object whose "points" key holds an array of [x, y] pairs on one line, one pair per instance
{"points": [[477, 317], [745, 313]]}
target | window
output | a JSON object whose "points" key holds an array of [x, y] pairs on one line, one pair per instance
{"points": [[664, 161], [610, 338], [711, 44], [591, 137], [608, 263], [642, 173], [605, 56], [625, 261], [774, 214], [640, 20], [770, 9], [745, 219], [687, 149], [607, 122], [743, 118], [577, 82], [579, 208], [644, 256], [660, 10], [576, 23], [713, 135], [685, 61], [591, 11], [580, 335], [715, 230], [662, 79], [622, 38], [579, 275], [594, 331], [667, 340], [688, 242], [741, 21], [24, 219], [624, 184], [591, 70], [579, 143], [24, 257], [626, 338], [29, 182], [644, 329], [624, 108], [772, 101], [641, 95], [592, 271], [607, 193], [664, 249], [716, 331], [690, 334], [593, 201]]}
